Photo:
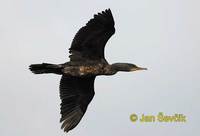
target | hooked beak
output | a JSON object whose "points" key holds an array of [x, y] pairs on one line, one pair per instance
{"points": [[138, 68]]}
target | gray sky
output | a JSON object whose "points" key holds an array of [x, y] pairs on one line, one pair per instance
{"points": [[160, 35]]}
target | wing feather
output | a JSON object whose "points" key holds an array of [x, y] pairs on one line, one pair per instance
{"points": [[75, 93], [89, 42]]}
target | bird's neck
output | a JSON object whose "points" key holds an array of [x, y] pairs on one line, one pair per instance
{"points": [[119, 67]]}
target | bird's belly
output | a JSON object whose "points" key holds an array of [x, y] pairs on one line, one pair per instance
{"points": [[83, 70]]}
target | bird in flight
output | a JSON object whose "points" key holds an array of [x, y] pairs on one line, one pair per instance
{"points": [[87, 61]]}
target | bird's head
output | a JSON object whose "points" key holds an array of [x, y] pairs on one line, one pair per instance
{"points": [[127, 67]]}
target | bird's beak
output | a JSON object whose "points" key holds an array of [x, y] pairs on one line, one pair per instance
{"points": [[138, 68]]}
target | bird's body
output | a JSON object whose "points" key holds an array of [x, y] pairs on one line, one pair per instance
{"points": [[88, 70], [86, 62]]}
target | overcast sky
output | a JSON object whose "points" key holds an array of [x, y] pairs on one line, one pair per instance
{"points": [[162, 35]]}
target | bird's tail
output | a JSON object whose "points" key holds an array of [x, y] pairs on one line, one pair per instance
{"points": [[46, 68]]}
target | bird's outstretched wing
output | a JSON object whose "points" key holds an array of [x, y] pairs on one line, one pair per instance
{"points": [[75, 93], [89, 42]]}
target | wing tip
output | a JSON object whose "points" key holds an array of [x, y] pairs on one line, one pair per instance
{"points": [[71, 121], [104, 17], [108, 10]]}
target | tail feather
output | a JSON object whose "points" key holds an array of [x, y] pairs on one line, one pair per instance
{"points": [[45, 68]]}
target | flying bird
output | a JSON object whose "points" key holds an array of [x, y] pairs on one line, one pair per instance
{"points": [[87, 60]]}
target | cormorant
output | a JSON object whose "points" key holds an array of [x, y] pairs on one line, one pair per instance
{"points": [[86, 62]]}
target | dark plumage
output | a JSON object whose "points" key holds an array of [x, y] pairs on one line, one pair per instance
{"points": [[86, 62], [91, 39]]}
